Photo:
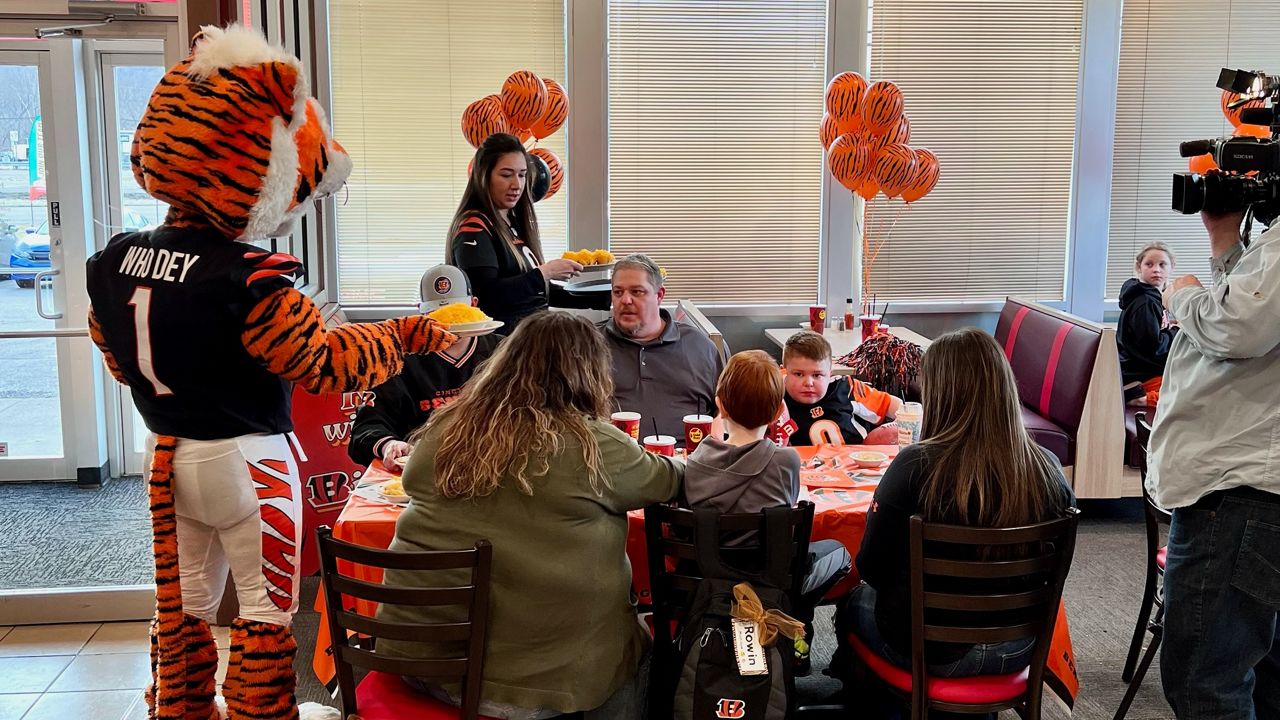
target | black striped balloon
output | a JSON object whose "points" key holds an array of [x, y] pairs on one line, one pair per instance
{"points": [[524, 98], [554, 167], [881, 107], [483, 118], [827, 131], [899, 134], [843, 100], [849, 160], [555, 114], [894, 168]]}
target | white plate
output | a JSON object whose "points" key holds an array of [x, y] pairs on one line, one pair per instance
{"points": [[605, 266], [374, 492], [474, 329], [588, 286]]}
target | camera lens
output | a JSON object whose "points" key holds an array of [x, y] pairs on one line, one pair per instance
{"points": [[1188, 193]]}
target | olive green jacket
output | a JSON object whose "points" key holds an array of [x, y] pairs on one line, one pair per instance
{"points": [[563, 634]]}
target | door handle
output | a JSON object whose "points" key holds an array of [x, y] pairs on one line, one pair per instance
{"points": [[40, 294]]}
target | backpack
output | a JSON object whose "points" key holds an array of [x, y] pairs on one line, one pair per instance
{"points": [[710, 686]]}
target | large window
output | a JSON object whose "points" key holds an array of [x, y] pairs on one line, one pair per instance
{"points": [[991, 88], [402, 73], [1170, 55], [715, 168]]}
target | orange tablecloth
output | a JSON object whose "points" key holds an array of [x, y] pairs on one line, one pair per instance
{"points": [[840, 494]]}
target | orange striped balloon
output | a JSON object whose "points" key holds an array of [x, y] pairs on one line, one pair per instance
{"points": [[843, 100], [1233, 114], [1258, 131], [924, 178], [553, 164], [483, 118], [849, 160], [894, 168], [882, 107], [899, 134], [556, 113], [1201, 164], [827, 131], [523, 134], [868, 188], [524, 98]]}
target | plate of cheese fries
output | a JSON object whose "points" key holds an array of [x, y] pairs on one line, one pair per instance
{"points": [[464, 321]]}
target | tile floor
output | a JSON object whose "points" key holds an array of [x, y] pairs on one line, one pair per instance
{"points": [[90, 670]]}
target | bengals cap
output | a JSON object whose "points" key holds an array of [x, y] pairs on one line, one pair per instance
{"points": [[443, 285]]}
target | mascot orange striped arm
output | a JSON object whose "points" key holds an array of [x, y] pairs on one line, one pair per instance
{"points": [[209, 333]]}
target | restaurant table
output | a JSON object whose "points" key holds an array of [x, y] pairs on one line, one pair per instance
{"points": [[841, 494], [844, 342]]}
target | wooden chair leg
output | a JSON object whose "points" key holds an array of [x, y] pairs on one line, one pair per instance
{"points": [[1140, 629], [1138, 676]]}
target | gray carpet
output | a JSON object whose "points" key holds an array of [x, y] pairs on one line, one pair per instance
{"points": [[58, 535], [62, 535]]}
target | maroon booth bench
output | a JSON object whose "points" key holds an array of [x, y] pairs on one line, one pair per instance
{"points": [[1068, 373]]}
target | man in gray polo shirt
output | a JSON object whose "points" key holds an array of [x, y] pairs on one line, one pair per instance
{"points": [[662, 369], [1215, 461]]}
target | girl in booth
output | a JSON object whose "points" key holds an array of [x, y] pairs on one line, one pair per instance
{"points": [[494, 238], [1144, 332]]}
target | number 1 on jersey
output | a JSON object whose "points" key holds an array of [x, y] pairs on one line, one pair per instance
{"points": [[141, 304]]}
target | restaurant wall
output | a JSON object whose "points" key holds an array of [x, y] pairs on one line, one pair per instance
{"points": [[747, 333]]}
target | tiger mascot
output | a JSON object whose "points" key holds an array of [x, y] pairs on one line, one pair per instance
{"points": [[208, 332]]}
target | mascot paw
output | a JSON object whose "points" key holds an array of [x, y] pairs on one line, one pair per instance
{"points": [[316, 711]]}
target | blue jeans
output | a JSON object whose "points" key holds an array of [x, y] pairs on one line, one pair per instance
{"points": [[1220, 658], [859, 614]]}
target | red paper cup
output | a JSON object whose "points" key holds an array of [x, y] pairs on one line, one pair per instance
{"points": [[696, 427], [627, 422], [661, 445], [817, 317], [870, 323]]}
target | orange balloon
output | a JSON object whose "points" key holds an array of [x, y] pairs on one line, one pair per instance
{"points": [[524, 98], [827, 131], [522, 133], [924, 178], [844, 98], [1258, 131], [868, 188], [849, 160], [483, 118], [894, 168], [1233, 114], [1201, 164], [553, 164], [882, 107], [900, 133], [556, 113]]}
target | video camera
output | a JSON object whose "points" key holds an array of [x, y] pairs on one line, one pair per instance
{"points": [[1248, 174]]}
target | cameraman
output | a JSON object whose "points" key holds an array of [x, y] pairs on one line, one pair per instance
{"points": [[1215, 460]]}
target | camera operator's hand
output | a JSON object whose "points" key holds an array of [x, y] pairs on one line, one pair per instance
{"points": [[1224, 230], [1176, 285]]}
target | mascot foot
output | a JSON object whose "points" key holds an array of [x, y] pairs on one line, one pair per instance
{"points": [[260, 680], [202, 669]]}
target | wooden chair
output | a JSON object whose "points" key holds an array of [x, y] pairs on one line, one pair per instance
{"points": [[382, 695], [1152, 595], [1038, 573], [671, 535]]}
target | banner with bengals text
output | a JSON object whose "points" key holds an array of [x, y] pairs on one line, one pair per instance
{"points": [[322, 424]]}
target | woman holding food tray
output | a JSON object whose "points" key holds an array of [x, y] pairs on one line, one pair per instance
{"points": [[494, 239]]}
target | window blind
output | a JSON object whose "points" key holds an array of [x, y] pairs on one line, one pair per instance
{"points": [[402, 73], [990, 86], [715, 169], [1170, 55]]}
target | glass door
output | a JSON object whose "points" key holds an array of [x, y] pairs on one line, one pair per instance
{"points": [[128, 79], [32, 441]]}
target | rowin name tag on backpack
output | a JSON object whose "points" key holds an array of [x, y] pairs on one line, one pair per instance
{"points": [[750, 655]]}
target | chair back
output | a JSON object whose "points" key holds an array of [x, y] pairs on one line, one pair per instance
{"points": [[684, 546], [687, 311], [1153, 515], [1021, 572], [469, 633]]}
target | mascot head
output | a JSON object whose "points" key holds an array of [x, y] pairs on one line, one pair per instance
{"points": [[233, 139]]}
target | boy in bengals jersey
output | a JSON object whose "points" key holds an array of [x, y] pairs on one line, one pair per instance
{"points": [[823, 411]]}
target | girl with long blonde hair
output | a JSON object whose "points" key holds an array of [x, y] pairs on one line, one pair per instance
{"points": [[975, 465], [527, 459]]}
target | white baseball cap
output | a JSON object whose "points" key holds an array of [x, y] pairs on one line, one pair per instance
{"points": [[443, 285]]}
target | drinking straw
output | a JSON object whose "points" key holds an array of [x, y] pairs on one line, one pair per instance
{"points": [[655, 427], [884, 313]]}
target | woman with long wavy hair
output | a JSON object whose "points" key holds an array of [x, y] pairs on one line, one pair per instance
{"points": [[974, 465], [527, 459]]}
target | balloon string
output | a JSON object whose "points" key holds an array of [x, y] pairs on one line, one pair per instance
{"points": [[866, 246], [889, 234]]}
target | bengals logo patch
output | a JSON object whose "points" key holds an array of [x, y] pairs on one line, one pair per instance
{"points": [[816, 412], [328, 490], [443, 285], [730, 708]]}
